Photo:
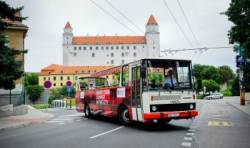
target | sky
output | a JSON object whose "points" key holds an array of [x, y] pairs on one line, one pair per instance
{"points": [[47, 18]]}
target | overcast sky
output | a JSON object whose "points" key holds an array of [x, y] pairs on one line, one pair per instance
{"points": [[46, 19]]}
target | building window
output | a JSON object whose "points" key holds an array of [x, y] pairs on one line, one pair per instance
{"points": [[44, 78], [123, 61], [134, 54], [61, 77], [102, 47], [96, 48], [49, 78], [88, 71], [90, 47], [117, 47], [74, 48], [54, 78], [122, 47], [54, 84], [112, 54], [82, 71], [80, 48], [111, 47], [74, 54], [84, 48], [68, 78], [134, 47], [93, 55], [107, 47], [75, 77], [128, 47], [122, 54], [61, 84], [112, 62]]}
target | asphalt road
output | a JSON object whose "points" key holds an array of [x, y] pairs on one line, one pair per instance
{"points": [[219, 125]]}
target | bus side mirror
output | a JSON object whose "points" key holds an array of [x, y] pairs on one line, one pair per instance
{"points": [[143, 72]]}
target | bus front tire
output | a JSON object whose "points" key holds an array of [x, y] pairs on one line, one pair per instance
{"points": [[123, 116], [87, 111]]}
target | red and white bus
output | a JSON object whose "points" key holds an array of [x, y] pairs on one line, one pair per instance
{"points": [[147, 90]]}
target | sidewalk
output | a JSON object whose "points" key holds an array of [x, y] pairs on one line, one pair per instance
{"points": [[235, 102], [33, 116]]}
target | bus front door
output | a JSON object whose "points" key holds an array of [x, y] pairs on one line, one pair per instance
{"points": [[136, 93]]}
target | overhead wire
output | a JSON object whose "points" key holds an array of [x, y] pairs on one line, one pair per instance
{"points": [[188, 24], [176, 22], [108, 13]]}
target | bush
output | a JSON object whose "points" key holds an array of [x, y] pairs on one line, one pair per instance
{"points": [[34, 92], [201, 96], [40, 106], [227, 92], [210, 85], [55, 94]]}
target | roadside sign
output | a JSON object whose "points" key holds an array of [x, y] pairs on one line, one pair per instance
{"points": [[68, 83], [240, 62], [47, 84], [68, 89]]}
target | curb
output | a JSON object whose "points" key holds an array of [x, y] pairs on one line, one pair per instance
{"points": [[239, 109]]}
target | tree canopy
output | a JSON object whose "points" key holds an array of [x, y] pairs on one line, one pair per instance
{"points": [[10, 67], [239, 13]]}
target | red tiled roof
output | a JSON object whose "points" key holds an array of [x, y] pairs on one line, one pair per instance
{"points": [[60, 69], [151, 20], [67, 26], [93, 40]]}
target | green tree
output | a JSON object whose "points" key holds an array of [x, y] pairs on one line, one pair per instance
{"points": [[10, 68], [235, 87], [226, 73], [210, 85], [239, 13], [63, 91], [55, 94], [30, 79], [34, 92]]}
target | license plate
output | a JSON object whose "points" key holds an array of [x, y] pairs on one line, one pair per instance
{"points": [[173, 115]]}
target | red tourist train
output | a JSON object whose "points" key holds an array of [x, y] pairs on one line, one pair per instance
{"points": [[147, 90]]}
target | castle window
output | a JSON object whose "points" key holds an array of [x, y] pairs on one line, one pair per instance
{"points": [[90, 47], [61, 84], [54, 84], [74, 48], [128, 47], [93, 55], [82, 71], [96, 48], [134, 47], [68, 78], [111, 47], [80, 48], [112, 62], [112, 54], [134, 54], [107, 47], [75, 77], [122, 47], [123, 61], [61, 77], [44, 78], [49, 78], [84, 48], [102, 47], [122, 54], [54, 78], [117, 47]]}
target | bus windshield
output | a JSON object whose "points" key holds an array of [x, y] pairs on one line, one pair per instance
{"points": [[164, 74]]}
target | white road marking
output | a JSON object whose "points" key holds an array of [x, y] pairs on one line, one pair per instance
{"points": [[191, 130], [189, 134], [187, 144], [104, 133], [188, 138]]}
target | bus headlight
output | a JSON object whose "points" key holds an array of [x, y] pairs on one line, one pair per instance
{"points": [[191, 106], [154, 108]]}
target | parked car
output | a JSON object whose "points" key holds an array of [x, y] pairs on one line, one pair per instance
{"points": [[214, 95]]}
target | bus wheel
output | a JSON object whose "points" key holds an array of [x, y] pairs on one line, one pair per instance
{"points": [[124, 115], [87, 111]]}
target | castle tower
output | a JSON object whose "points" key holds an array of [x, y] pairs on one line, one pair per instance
{"points": [[152, 36], [67, 42]]}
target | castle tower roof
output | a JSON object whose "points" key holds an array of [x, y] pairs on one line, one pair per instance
{"points": [[152, 21], [68, 26]]}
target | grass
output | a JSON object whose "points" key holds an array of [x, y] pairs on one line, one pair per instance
{"points": [[40, 106]]}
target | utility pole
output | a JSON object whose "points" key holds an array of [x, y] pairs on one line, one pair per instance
{"points": [[240, 63]]}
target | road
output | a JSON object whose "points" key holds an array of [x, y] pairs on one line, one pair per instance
{"points": [[219, 125]]}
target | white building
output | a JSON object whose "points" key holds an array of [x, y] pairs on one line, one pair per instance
{"points": [[110, 50]]}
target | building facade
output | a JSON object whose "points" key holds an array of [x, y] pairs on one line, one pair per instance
{"points": [[59, 75], [110, 50]]}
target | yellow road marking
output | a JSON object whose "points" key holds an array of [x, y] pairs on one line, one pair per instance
{"points": [[219, 123]]}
